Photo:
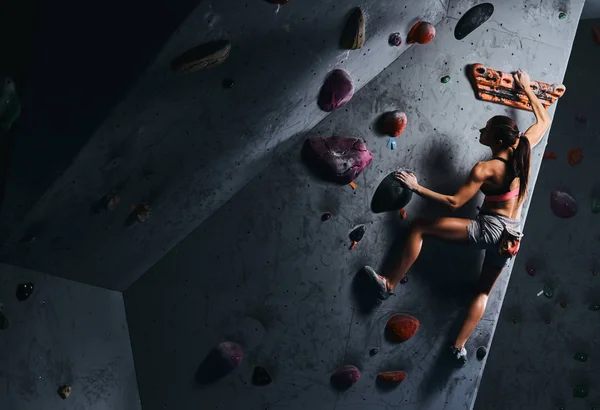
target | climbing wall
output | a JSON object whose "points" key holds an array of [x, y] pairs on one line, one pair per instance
{"points": [[548, 341], [63, 345], [184, 142], [272, 272]]}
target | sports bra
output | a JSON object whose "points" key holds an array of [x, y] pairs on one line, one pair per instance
{"points": [[501, 194]]}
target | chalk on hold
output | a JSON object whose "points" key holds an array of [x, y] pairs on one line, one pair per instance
{"points": [[261, 377], [472, 19], [336, 91], [395, 39], [353, 35], [562, 204], [345, 377], [391, 377], [203, 56], [575, 156], [65, 391], [10, 105], [422, 32], [220, 361], [24, 291], [393, 123], [401, 327], [110, 201], [142, 212]]}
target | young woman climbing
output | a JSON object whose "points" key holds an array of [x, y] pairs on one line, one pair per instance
{"points": [[503, 180]]}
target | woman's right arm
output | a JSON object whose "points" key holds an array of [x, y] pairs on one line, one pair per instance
{"points": [[534, 133]]}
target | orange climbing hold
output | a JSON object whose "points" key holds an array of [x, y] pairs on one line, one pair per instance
{"points": [[402, 213], [352, 184], [422, 32], [499, 87], [550, 155], [401, 327], [575, 156], [392, 377]]}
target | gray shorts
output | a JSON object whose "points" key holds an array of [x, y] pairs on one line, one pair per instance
{"points": [[485, 232]]}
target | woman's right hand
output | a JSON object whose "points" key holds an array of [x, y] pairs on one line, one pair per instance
{"points": [[523, 80]]}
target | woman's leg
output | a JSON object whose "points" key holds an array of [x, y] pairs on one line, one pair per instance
{"points": [[444, 228], [489, 275]]}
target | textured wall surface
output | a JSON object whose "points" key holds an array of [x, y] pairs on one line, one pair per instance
{"points": [[65, 333], [591, 9], [264, 270], [531, 361], [185, 144]]}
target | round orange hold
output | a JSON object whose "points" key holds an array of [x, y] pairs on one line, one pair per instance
{"points": [[422, 32], [575, 156], [393, 123], [401, 327]]}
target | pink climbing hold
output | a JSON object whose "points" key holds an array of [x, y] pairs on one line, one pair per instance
{"points": [[395, 40], [562, 204], [336, 91], [231, 352], [339, 159], [345, 377]]}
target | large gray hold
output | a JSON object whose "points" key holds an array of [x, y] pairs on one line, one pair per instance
{"points": [[353, 35], [205, 55]]}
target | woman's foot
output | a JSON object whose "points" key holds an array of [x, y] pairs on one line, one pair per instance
{"points": [[459, 355], [383, 287]]}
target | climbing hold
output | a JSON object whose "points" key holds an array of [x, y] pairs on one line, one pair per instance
{"points": [[353, 185], [580, 357], [548, 290], [530, 270], [580, 391], [65, 391], [402, 213], [514, 320], [261, 377], [395, 40], [445, 79], [563, 304], [373, 351], [562, 204], [393, 123], [472, 19], [326, 216], [337, 90], [596, 204], [499, 87], [550, 155], [205, 55], [580, 118], [422, 32], [594, 307], [344, 377], [562, 15], [596, 34], [110, 201], [4, 323], [401, 327], [594, 273], [391, 377], [547, 321], [390, 195], [24, 291], [404, 280], [338, 159], [391, 143], [575, 156], [278, 1], [10, 105], [353, 35], [481, 352], [228, 83], [357, 234], [220, 361], [142, 212]]}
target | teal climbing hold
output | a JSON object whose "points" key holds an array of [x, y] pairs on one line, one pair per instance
{"points": [[580, 391], [10, 106], [562, 15], [548, 291], [580, 357], [445, 79], [594, 306]]}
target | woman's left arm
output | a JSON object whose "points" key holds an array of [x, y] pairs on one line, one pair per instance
{"points": [[467, 191]]}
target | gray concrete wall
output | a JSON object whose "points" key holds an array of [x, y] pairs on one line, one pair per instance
{"points": [[531, 363], [185, 144], [65, 333], [264, 271]]}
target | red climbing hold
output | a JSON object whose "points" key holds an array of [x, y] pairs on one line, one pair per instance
{"points": [[422, 32], [336, 91], [596, 34], [402, 213], [393, 123], [562, 204], [344, 377], [575, 156], [550, 155], [392, 377], [401, 327], [530, 270]]}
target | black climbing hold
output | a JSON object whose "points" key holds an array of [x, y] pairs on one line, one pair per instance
{"points": [[4, 323], [580, 357], [353, 35], [326, 216], [24, 290], [472, 19], [580, 391], [404, 280], [481, 352], [374, 351], [228, 83], [261, 377], [28, 238], [391, 195], [357, 234]]}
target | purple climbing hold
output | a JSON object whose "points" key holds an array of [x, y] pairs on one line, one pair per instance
{"points": [[562, 204], [344, 377], [395, 39], [339, 159], [231, 352], [336, 91], [224, 358], [326, 216]]}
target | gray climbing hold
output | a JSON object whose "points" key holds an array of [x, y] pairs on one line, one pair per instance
{"points": [[205, 55]]}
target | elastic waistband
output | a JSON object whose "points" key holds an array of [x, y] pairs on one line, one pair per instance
{"points": [[502, 217]]}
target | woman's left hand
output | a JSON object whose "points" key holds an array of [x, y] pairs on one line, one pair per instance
{"points": [[407, 178]]}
